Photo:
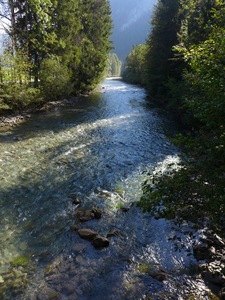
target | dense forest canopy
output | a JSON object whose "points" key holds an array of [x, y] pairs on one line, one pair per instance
{"points": [[184, 58], [55, 48]]}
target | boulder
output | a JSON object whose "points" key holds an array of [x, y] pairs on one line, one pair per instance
{"points": [[87, 234], [100, 242]]}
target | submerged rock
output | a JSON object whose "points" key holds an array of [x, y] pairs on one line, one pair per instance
{"points": [[125, 208], [75, 200], [112, 233], [47, 293], [87, 234], [90, 214], [97, 212], [74, 228], [100, 242]]}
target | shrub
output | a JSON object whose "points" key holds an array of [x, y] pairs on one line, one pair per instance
{"points": [[19, 96], [54, 79]]}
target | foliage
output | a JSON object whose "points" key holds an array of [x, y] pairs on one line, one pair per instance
{"points": [[19, 97], [61, 45], [15, 68], [93, 43], [193, 191], [206, 79], [15, 91], [135, 69], [195, 89], [113, 68], [22, 261], [160, 60], [54, 79]]}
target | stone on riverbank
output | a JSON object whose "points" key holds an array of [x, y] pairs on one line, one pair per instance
{"points": [[212, 249], [213, 272]]}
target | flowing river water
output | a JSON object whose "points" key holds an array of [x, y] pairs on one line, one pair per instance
{"points": [[98, 149]]}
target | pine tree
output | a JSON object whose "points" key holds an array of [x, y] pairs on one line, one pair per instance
{"points": [[160, 63], [94, 44]]}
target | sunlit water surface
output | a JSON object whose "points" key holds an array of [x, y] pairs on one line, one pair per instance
{"points": [[98, 149]]}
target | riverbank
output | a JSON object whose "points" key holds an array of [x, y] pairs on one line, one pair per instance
{"points": [[13, 119], [192, 191]]}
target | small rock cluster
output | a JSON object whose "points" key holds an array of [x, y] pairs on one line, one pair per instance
{"points": [[13, 120], [212, 250], [83, 215]]}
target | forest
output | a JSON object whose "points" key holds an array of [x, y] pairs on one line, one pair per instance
{"points": [[182, 66], [54, 49]]}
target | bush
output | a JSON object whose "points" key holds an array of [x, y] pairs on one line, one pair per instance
{"points": [[19, 96], [54, 79]]}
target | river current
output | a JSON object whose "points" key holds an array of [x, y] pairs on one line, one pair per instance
{"points": [[98, 149]]}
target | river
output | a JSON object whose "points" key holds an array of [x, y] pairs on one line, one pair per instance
{"points": [[98, 149]]}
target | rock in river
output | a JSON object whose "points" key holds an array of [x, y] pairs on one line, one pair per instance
{"points": [[90, 214], [87, 234], [100, 242]]}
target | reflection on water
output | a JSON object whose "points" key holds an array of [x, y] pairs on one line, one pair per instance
{"points": [[99, 150]]}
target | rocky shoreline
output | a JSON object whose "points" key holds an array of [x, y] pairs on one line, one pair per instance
{"points": [[208, 250], [13, 119], [210, 253]]}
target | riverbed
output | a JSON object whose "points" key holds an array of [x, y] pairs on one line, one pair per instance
{"points": [[99, 150]]}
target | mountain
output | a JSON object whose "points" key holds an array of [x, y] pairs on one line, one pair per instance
{"points": [[131, 20]]}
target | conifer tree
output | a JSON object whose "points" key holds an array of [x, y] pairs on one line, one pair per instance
{"points": [[163, 37]]}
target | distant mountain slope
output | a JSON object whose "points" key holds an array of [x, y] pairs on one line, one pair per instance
{"points": [[131, 24]]}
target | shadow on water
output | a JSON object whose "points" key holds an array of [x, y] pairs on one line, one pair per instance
{"points": [[104, 142]]}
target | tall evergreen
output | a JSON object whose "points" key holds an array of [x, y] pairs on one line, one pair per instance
{"points": [[135, 65], [162, 38], [33, 30], [93, 43]]}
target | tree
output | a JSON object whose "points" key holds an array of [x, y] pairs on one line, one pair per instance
{"points": [[114, 65], [205, 74], [135, 67], [54, 79], [160, 57], [76, 32], [93, 43]]}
